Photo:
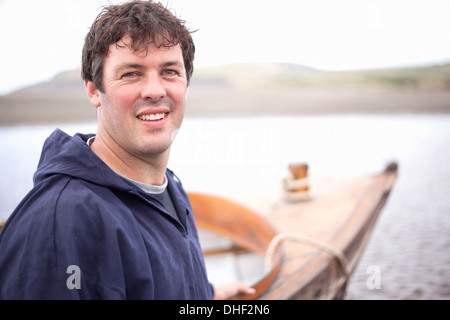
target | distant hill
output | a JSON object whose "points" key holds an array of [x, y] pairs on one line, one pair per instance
{"points": [[255, 89], [284, 89], [435, 77]]}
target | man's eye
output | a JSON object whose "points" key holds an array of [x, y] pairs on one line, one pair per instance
{"points": [[129, 75], [170, 72]]}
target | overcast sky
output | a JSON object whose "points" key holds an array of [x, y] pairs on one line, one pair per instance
{"points": [[42, 38]]}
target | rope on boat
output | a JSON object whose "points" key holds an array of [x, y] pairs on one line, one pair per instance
{"points": [[276, 241], [290, 183], [295, 190]]}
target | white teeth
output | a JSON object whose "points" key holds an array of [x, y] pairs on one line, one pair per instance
{"points": [[156, 116]]}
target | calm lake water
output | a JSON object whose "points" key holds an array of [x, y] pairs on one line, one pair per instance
{"points": [[245, 159]]}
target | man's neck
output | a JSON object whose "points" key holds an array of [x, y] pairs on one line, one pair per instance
{"points": [[148, 170]]}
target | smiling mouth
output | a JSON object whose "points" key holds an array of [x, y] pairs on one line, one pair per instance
{"points": [[153, 116]]}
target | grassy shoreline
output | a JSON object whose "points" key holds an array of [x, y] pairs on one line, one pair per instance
{"points": [[255, 90]]}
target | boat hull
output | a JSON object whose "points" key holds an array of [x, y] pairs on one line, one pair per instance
{"points": [[321, 240]]}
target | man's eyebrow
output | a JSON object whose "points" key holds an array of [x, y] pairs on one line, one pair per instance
{"points": [[136, 66], [124, 66], [139, 66], [173, 63]]}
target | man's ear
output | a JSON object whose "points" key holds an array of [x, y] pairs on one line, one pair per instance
{"points": [[93, 93]]}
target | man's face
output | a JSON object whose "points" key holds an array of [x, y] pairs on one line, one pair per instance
{"points": [[144, 98]]}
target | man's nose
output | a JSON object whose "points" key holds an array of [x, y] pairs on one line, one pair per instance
{"points": [[153, 88]]}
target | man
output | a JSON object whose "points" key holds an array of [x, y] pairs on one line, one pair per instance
{"points": [[106, 219]]}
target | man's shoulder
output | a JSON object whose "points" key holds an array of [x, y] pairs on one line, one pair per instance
{"points": [[66, 190], [84, 202], [61, 199]]}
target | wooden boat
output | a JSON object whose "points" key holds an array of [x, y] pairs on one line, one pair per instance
{"points": [[311, 247]]}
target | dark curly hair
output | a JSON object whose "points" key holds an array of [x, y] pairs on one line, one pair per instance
{"points": [[145, 22]]}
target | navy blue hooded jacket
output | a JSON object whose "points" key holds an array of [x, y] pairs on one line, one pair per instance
{"points": [[83, 232]]}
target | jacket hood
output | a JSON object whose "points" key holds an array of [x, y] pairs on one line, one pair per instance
{"points": [[71, 156]]}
